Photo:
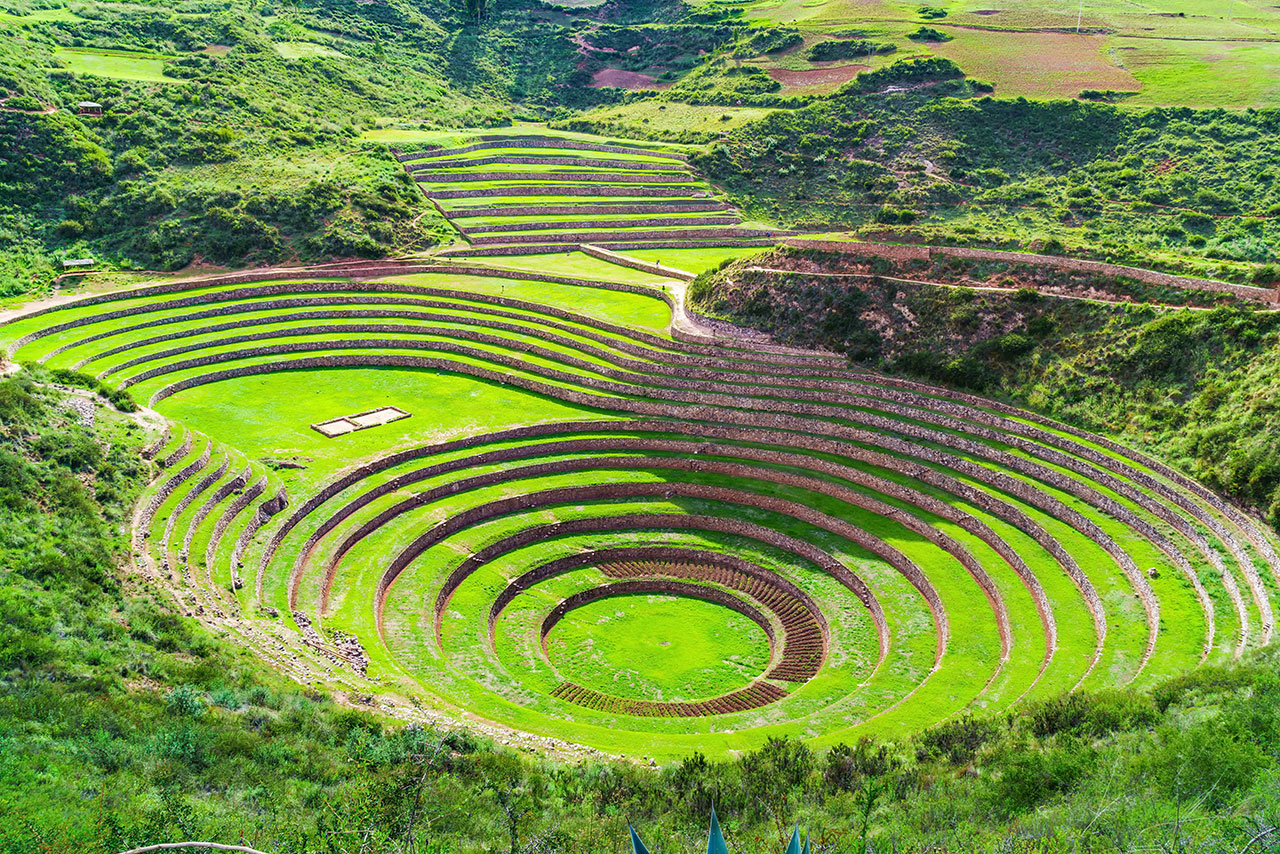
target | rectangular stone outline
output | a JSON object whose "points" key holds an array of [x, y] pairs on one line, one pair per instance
{"points": [[335, 427]]}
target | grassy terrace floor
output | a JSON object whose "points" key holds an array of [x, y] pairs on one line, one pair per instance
{"points": [[950, 554]]}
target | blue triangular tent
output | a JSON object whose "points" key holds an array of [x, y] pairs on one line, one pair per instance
{"points": [[637, 847], [793, 847], [715, 839]]}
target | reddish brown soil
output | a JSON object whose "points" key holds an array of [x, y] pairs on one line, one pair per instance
{"points": [[817, 76], [619, 79]]}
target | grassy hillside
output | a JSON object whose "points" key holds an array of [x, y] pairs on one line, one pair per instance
{"points": [[231, 132], [919, 151]]}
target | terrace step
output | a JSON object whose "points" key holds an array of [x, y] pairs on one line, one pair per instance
{"points": [[553, 142], [567, 175], [654, 191], [622, 165], [545, 248], [587, 209], [630, 236], [585, 224], [636, 263]]}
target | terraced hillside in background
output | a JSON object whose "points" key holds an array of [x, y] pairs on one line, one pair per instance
{"points": [[592, 529], [513, 193]]}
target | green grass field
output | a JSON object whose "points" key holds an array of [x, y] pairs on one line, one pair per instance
{"points": [[122, 65], [307, 50], [658, 648]]}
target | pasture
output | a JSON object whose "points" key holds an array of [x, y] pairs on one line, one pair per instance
{"points": [[120, 64]]}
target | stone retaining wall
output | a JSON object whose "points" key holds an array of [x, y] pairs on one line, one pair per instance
{"points": [[621, 245], [233, 510], [178, 453], [911, 448], [578, 210], [541, 142], [583, 162], [206, 507], [629, 236], [150, 451], [592, 178], [581, 189], [191, 495], [171, 485], [635, 263], [983, 499], [604, 223]]}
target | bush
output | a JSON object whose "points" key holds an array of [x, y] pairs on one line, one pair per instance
{"points": [[1205, 761], [1030, 776], [25, 103], [929, 34], [186, 700], [846, 49], [957, 741], [1091, 714]]}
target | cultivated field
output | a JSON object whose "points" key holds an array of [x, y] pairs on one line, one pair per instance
{"points": [[538, 492]]}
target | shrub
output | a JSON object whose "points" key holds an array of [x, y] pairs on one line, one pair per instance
{"points": [[25, 103], [186, 700], [1031, 776], [929, 34], [957, 741], [846, 49], [1092, 714], [1205, 761]]}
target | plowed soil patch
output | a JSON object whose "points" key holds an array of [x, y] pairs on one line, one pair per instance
{"points": [[817, 76], [617, 78]]}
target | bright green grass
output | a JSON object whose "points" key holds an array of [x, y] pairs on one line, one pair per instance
{"points": [[577, 264], [658, 648], [1203, 74], [307, 50], [517, 202], [695, 260], [536, 219], [636, 310], [441, 406], [513, 183], [118, 64], [551, 151], [691, 230], [37, 15], [586, 171]]}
